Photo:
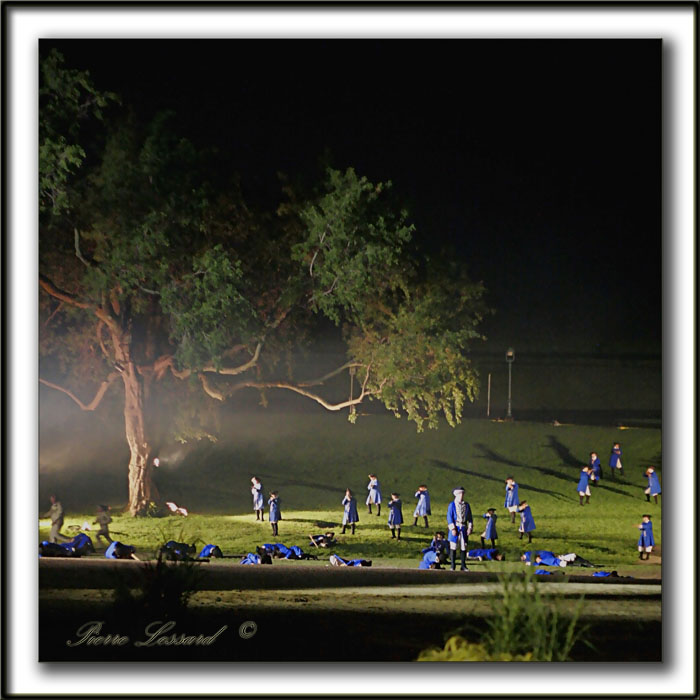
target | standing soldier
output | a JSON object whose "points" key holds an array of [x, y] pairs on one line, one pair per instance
{"points": [[582, 486], [423, 505], [375, 495], [527, 522], [460, 524], [512, 499], [596, 470], [258, 504], [616, 459], [654, 488], [490, 532], [350, 516], [103, 519], [56, 515], [646, 537], [395, 516], [275, 513]]}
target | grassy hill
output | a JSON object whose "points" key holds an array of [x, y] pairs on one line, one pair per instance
{"points": [[311, 458]]}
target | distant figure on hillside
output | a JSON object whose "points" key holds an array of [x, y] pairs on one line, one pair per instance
{"points": [[56, 514], [646, 537], [616, 459], [543, 557], [487, 554], [460, 524], [339, 561], [103, 519], [512, 499], [423, 505], [490, 532], [439, 545], [395, 516], [275, 512], [375, 495], [258, 502], [327, 539], [654, 487], [350, 516], [596, 470], [527, 522], [582, 486]]}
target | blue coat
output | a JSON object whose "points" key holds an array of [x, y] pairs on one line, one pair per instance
{"points": [[275, 513], [82, 544], [490, 533], [210, 550], [350, 515], [646, 536], [594, 464], [511, 496], [428, 559], [348, 562], [117, 550], [527, 522], [582, 482], [483, 553], [436, 546], [548, 558], [452, 521], [250, 558], [395, 514], [258, 501], [614, 456], [654, 486], [423, 505], [374, 495]]}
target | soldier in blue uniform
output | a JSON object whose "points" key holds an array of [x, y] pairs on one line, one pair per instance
{"points": [[596, 470], [490, 532], [339, 561], [258, 502], [210, 550], [527, 522], [254, 559], [439, 545], [654, 487], [430, 560], [350, 516], [423, 506], [327, 539], [646, 537], [275, 512], [82, 544], [582, 486], [395, 516], [542, 557], [488, 554], [615, 461], [375, 495], [512, 498], [117, 550], [460, 525]]}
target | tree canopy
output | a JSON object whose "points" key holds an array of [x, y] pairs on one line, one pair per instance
{"points": [[151, 272]]}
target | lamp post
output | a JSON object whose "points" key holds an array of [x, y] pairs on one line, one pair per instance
{"points": [[510, 356]]}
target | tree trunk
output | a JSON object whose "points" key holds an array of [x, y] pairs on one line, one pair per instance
{"points": [[140, 482]]}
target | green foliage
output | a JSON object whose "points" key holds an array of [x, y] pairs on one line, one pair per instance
{"points": [[459, 649]]}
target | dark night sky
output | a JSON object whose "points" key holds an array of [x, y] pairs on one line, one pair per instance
{"points": [[539, 161]]}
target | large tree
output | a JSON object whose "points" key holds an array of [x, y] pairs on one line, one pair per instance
{"points": [[153, 279]]}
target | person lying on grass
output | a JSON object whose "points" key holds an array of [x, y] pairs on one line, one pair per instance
{"points": [[255, 559], [542, 557], [430, 560], [325, 540], [117, 550], [439, 545], [281, 551], [339, 561], [485, 554]]}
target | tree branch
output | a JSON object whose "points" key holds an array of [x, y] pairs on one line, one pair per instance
{"points": [[78, 254], [98, 396], [209, 389], [320, 380], [50, 288]]}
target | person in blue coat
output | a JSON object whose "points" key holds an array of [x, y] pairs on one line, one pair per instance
{"points": [[57, 549], [210, 550], [646, 537], [615, 461], [582, 486], [117, 550], [460, 524], [375, 495], [487, 554], [439, 545], [596, 470], [339, 561], [512, 498], [654, 487], [350, 516], [542, 557], [275, 512], [395, 516], [82, 544], [423, 506], [254, 559], [527, 522], [430, 560], [490, 532], [256, 491]]}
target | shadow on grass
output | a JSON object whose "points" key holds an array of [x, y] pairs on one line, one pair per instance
{"points": [[282, 481], [488, 453], [554, 494], [564, 453], [619, 492]]}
